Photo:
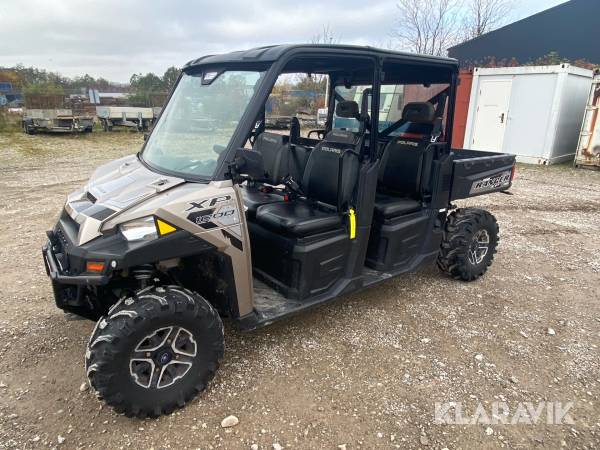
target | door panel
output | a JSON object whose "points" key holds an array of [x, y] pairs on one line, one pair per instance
{"points": [[491, 115]]}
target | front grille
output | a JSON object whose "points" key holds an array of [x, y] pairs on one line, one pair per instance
{"points": [[61, 243]]}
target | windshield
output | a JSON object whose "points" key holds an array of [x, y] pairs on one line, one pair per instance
{"points": [[199, 120]]}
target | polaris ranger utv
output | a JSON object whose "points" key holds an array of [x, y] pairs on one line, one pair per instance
{"points": [[233, 221]]}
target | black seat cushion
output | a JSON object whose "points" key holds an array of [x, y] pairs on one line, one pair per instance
{"points": [[388, 206], [253, 198], [298, 218]]}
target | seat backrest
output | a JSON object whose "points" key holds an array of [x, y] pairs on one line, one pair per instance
{"points": [[332, 169], [401, 166], [275, 152], [403, 161], [418, 112]]}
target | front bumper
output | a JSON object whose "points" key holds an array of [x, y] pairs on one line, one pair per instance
{"points": [[91, 294], [57, 274]]}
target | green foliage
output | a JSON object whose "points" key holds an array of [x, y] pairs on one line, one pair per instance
{"points": [[44, 88], [551, 59], [150, 89], [146, 90], [32, 76], [170, 77], [145, 83]]}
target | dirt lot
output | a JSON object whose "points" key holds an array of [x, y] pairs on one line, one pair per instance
{"points": [[365, 371]]}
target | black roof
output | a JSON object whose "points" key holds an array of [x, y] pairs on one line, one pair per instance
{"points": [[272, 53], [570, 29]]}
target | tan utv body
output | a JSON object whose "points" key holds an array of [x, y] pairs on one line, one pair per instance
{"points": [[217, 217]]}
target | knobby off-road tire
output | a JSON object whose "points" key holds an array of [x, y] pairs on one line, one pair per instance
{"points": [[469, 243], [155, 351], [28, 128]]}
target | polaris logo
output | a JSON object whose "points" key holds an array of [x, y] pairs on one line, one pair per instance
{"points": [[337, 151], [410, 143], [270, 139], [491, 183]]}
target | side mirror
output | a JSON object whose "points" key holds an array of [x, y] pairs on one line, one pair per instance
{"points": [[249, 163], [218, 149]]}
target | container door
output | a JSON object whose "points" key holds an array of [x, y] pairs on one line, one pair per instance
{"points": [[491, 115]]}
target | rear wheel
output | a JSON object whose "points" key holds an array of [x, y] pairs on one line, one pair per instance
{"points": [[155, 351], [28, 127], [469, 244]]}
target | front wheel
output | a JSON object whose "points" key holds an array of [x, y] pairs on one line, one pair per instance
{"points": [[469, 243], [155, 351]]}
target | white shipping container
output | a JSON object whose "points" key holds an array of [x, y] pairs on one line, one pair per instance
{"points": [[533, 112]]}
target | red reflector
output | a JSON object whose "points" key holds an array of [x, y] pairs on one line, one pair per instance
{"points": [[286, 198], [513, 175], [95, 266]]}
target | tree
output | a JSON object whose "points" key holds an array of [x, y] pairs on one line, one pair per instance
{"points": [[144, 88], [325, 36], [483, 16], [146, 83], [45, 88], [170, 77], [427, 26]]}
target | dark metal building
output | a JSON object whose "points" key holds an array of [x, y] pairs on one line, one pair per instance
{"points": [[569, 29]]}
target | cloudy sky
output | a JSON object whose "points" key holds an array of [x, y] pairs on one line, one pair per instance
{"points": [[115, 38]]}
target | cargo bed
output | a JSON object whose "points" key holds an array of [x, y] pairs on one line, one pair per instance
{"points": [[478, 172]]}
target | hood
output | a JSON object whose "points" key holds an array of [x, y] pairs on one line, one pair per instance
{"points": [[112, 188]]}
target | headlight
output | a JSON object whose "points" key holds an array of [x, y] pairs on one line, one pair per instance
{"points": [[143, 229]]}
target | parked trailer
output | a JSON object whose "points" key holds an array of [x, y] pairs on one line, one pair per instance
{"points": [[55, 121], [588, 149], [125, 116], [532, 112]]}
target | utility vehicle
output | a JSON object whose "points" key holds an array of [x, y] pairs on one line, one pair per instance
{"points": [[233, 221]]}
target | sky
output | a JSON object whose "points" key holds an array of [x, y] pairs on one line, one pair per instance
{"points": [[116, 38]]}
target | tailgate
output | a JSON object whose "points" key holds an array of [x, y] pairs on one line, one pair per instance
{"points": [[477, 173]]}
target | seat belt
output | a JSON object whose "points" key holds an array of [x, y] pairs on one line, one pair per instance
{"points": [[439, 114]]}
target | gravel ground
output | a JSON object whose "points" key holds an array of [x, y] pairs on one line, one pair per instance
{"points": [[363, 372]]}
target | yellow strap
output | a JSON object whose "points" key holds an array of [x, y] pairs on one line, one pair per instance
{"points": [[352, 216]]}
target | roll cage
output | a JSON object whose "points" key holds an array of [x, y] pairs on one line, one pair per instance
{"points": [[375, 67]]}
